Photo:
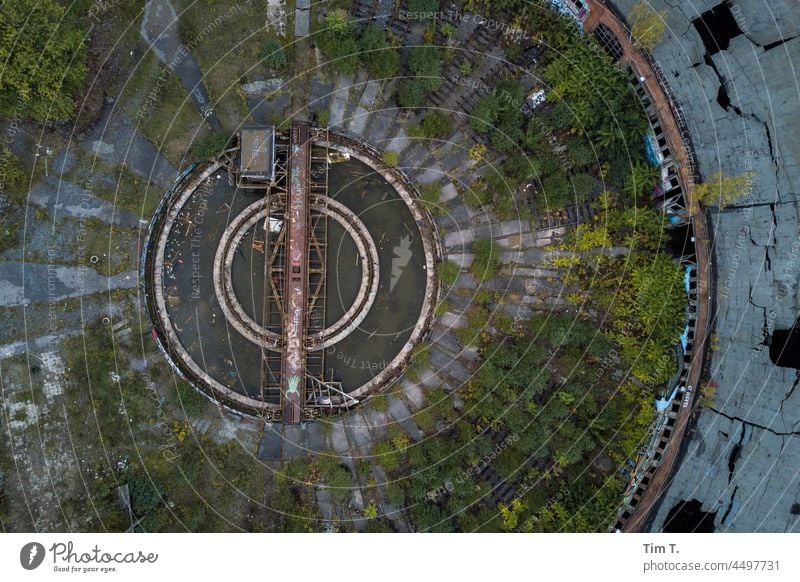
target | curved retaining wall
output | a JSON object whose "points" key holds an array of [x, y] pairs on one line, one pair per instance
{"points": [[151, 273], [651, 478]]}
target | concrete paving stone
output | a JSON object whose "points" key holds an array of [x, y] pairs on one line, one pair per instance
{"points": [[457, 217], [459, 238], [338, 436], [470, 354], [445, 364], [370, 94], [545, 302], [359, 429], [399, 142], [302, 19], [339, 100], [511, 227], [445, 340], [377, 421], [321, 94], [433, 173], [413, 393], [379, 125], [61, 198], [516, 256], [463, 260], [294, 443], [535, 272], [454, 159], [414, 155], [271, 446], [427, 377], [399, 411], [20, 283], [449, 192], [466, 281], [316, 438], [453, 320], [358, 121]]}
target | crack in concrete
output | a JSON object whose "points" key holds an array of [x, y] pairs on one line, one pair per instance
{"points": [[723, 97], [777, 43], [791, 390], [731, 207], [730, 506], [736, 453], [755, 425]]}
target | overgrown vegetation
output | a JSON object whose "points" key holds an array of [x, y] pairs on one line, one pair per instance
{"points": [[557, 443], [44, 60], [722, 190], [486, 261]]}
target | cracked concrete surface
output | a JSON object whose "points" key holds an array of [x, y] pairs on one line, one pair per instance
{"points": [[742, 459]]}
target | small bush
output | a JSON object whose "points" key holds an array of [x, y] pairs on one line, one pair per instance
{"points": [[412, 93], [391, 158], [272, 54], [449, 272], [210, 147], [486, 263]]}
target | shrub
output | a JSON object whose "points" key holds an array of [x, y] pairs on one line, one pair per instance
{"points": [[322, 117], [723, 190], [338, 41], [390, 158], [425, 61], [647, 25], [429, 196], [583, 185], [486, 263], [412, 93], [557, 190], [436, 125], [423, 6], [210, 147], [378, 56], [43, 52], [449, 272], [272, 54]]}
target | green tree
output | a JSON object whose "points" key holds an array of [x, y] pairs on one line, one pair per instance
{"points": [[647, 25], [644, 177], [412, 93], [436, 125], [380, 58], [43, 56], [722, 190], [423, 6], [425, 61], [339, 41]]}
